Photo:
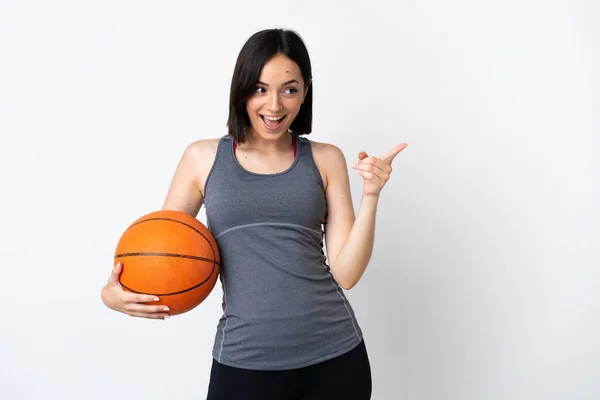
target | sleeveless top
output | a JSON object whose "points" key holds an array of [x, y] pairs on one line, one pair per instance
{"points": [[282, 308]]}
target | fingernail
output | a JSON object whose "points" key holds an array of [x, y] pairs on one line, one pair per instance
{"points": [[166, 317], [156, 299], [166, 309]]}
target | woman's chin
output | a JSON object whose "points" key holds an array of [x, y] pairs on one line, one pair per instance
{"points": [[268, 133]]}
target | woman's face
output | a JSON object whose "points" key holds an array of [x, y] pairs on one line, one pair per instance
{"points": [[277, 98]]}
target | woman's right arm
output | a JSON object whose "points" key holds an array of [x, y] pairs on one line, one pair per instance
{"points": [[185, 192], [184, 195]]}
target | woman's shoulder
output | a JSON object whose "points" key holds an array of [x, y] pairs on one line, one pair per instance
{"points": [[326, 152], [202, 153], [324, 149], [204, 145], [329, 159]]}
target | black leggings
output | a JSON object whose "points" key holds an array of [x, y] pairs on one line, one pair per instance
{"points": [[346, 377]]}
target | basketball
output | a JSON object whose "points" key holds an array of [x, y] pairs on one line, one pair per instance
{"points": [[169, 254]]}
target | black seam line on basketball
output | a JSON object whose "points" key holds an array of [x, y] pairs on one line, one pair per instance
{"points": [[179, 222], [172, 293], [150, 254]]}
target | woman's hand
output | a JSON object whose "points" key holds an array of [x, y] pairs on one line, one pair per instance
{"points": [[132, 304], [376, 171]]}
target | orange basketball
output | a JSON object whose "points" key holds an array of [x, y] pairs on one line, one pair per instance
{"points": [[172, 255]]}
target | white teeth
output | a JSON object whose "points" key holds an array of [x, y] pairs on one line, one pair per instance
{"points": [[272, 118]]}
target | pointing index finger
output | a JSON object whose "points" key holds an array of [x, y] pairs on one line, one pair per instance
{"points": [[394, 151]]}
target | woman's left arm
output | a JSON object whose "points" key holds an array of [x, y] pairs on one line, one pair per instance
{"points": [[349, 239]]}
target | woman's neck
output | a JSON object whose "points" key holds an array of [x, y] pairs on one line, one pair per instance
{"points": [[267, 146]]}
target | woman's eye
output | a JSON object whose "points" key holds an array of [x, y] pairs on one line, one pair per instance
{"points": [[262, 90]]}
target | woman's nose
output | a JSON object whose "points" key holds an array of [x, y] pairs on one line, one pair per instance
{"points": [[275, 104]]}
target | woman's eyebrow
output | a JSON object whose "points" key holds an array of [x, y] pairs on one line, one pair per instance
{"points": [[283, 84]]}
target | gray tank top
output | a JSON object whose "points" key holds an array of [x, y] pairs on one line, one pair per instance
{"points": [[282, 308]]}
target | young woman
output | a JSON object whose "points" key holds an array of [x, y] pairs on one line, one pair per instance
{"points": [[271, 197]]}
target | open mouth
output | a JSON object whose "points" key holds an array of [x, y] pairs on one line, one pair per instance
{"points": [[272, 123]]}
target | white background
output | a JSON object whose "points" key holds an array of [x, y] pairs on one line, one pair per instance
{"points": [[484, 280]]}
